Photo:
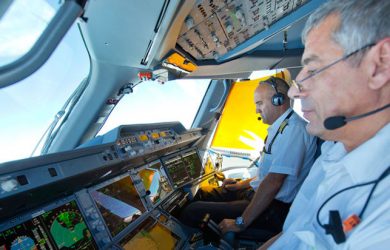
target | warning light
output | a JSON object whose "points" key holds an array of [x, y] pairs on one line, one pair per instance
{"points": [[155, 135], [145, 76], [143, 137]]}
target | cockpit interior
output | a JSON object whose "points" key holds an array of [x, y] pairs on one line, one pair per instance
{"points": [[86, 181]]}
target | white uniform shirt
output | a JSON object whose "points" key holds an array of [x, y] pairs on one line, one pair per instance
{"points": [[334, 170], [292, 154]]}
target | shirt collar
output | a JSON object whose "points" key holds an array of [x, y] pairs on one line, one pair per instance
{"points": [[369, 160], [275, 126], [366, 162], [336, 152]]}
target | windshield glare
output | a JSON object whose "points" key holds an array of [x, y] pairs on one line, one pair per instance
{"points": [[153, 102], [28, 107], [21, 25]]}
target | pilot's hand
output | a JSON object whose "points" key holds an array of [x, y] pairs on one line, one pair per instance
{"points": [[229, 225], [228, 181], [231, 184]]}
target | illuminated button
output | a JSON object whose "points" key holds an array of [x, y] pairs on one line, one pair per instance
{"points": [[155, 136], [143, 137]]}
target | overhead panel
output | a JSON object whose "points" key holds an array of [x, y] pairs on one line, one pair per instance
{"points": [[215, 27]]}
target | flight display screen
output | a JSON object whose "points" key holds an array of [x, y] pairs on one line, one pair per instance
{"points": [[193, 163], [119, 203], [59, 228], [183, 167], [176, 171], [155, 181], [150, 235]]}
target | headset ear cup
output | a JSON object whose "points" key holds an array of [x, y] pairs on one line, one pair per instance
{"points": [[278, 99], [274, 100]]}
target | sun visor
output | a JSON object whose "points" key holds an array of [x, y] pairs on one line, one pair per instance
{"points": [[239, 131]]}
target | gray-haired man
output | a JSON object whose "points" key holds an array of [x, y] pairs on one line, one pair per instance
{"points": [[344, 202]]}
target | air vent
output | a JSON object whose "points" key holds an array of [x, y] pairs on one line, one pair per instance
{"points": [[22, 179], [52, 172]]}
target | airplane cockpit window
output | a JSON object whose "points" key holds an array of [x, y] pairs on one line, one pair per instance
{"points": [[21, 24], [30, 107], [177, 100]]}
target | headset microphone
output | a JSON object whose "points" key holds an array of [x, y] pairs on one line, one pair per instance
{"points": [[335, 122], [336, 227]]}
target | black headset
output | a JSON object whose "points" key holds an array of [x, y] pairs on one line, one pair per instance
{"points": [[335, 225], [278, 98]]}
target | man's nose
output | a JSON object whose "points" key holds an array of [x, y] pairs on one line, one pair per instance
{"points": [[296, 90], [293, 92], [301, 74]]}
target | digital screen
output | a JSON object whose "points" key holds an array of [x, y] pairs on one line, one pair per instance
{"points": [[154, 181], [183, 168], [193, 164], [150, 235], [59, 228], [177, 170], [119, 204]]}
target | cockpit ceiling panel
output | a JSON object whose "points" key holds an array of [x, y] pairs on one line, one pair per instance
{"points": [[215, 27]]}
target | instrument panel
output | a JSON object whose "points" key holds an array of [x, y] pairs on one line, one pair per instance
{"points": [[118, 202], [133, 143], [55, 228], [150, 234], [183, 167], [155, 181], [101, 195], [215, 27], [119, 213]]}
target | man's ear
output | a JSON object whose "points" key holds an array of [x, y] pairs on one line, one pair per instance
{"points": [[381, 63]]}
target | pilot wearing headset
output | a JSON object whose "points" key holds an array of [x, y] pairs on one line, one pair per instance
{"points": [[286, 159], [344, 88]]}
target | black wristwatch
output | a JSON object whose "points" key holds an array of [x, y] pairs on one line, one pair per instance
{"points": [[240, 222]]}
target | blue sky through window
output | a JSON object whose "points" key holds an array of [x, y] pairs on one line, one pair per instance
{"points": [[152, 102], [29, 106]]}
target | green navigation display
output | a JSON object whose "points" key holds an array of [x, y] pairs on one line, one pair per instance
{"points": [[59, 228]]}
